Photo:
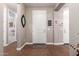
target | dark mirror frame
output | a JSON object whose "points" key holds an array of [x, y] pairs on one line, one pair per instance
{"points": [[49, 23], [23, 24]]}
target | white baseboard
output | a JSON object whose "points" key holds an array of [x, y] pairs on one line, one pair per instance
{"points": [[32, 43], [8, 43], [18, 49], [21, 47], [55, 43], [28, 43], [58, 43]]}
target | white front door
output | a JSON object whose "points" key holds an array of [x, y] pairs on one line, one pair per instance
{"points": [[39, 26]]}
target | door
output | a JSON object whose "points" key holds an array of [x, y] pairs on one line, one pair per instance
{"points": [[39, 26]]}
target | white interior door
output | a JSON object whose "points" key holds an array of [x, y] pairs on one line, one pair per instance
{"points": [[39, 18]]}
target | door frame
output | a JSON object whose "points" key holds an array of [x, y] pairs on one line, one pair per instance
{"points": [[46, 26]]}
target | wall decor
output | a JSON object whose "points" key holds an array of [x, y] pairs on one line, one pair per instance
{"points": [[49, 23], [10, 24], [23, 21]]}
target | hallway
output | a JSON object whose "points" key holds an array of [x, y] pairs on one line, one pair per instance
{"points": [[39, 29], [29, 50], [42, 25]]}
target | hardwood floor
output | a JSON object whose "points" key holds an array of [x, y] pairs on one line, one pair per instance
{"points": [[29, 50], [10, 50]]}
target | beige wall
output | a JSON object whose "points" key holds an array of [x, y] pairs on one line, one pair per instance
{"points": [[29, 23], [1, 29], [21, 32], [73, 25]]}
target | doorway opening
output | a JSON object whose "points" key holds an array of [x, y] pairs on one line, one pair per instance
{"points": [[10, 15]]}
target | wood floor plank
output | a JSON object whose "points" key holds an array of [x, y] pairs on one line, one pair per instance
{"points": [[29, 50]]}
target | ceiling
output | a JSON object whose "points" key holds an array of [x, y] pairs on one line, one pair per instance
{"points": [[12, 6], [40, 4]]}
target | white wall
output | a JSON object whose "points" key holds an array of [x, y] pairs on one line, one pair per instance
{"points": [[1, 29], [21, 32]]}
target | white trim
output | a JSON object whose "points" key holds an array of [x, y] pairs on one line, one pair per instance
{"points": [[32, 43], [6, 45], [55, 43], [58, 44], [5, 25], [28, 43], [23, 46]]}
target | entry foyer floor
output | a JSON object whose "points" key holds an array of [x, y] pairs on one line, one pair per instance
{"points": [[29, 50]]}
